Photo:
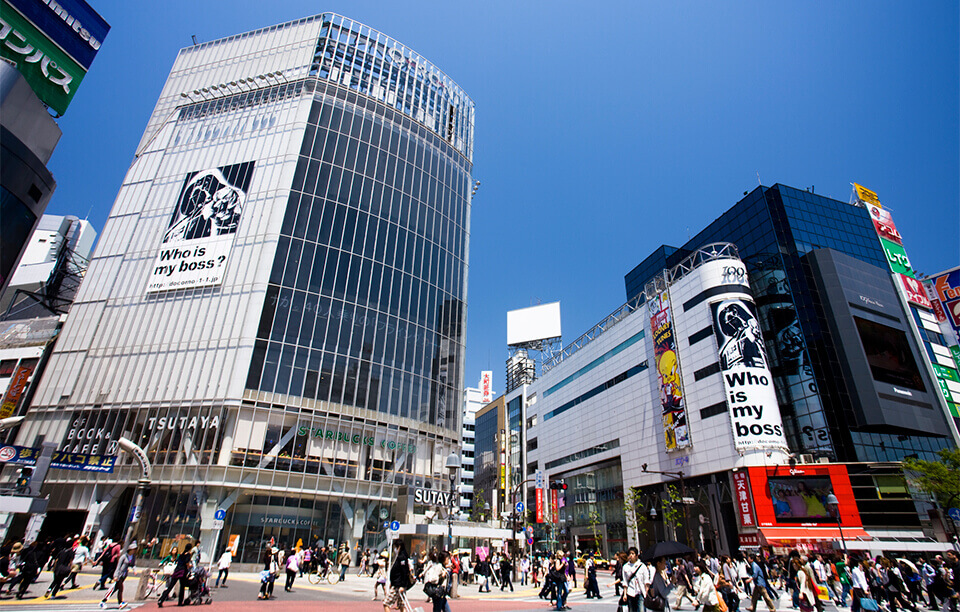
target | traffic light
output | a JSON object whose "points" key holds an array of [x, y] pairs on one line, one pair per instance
{"points": [[558, 485], [23, 478]]}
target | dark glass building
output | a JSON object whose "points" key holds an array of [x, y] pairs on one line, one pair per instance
{"points": [[798, 246]]}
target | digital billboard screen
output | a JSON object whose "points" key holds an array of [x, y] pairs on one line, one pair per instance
{"points": [[801, 499], [889, 355]]}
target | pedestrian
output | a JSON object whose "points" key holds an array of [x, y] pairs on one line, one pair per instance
{"points": [[268, 576], [124, 563], [179, 576], [482, 571], [107, 560], [223, 568], [29, 568], [590, 579], [660, 585], [380, 575], [506, 572], [81, 554], [62, 567], [683, 581], [400, 579], [558, 577], [572, 569], [705, 588], [453, 580], [806, 586], [630, 583], [758, 581], [436, 580], [292, 566], [344, 561], [8, 566]]}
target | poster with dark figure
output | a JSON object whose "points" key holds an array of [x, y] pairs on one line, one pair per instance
{"points": [[743, 343], [198, 239]]}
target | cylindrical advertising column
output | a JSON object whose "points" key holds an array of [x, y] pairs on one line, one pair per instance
{"points": [[751, 397]]}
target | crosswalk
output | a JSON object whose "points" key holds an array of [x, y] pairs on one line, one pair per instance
{"points": [[91, 606]]}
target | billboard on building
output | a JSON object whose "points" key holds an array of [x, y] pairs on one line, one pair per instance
{"points": [[914, 291], [196, 245], [883, 223], [17, 386], [751, 395], [52, 45], [946, 289], [673, 406], [535, 323]]}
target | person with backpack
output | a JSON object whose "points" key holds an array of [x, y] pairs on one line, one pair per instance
{"points": [[108, 560]]}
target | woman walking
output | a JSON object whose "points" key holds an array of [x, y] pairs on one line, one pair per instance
{"points": [[271, 568], [124, 563], [292, 566], [436, 580], [705, 588], [179, 575]]}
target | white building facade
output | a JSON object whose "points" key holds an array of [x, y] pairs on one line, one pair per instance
{"points": [[276, 310]]}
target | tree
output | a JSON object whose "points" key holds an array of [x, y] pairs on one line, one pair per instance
{"points": [[673, 510], [476, 511], [634, 513], [596, 519], [938, 478]]}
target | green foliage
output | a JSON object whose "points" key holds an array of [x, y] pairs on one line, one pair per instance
{"points": [[596, 519], [635, 513], [938, 478], [673, 509], [476, 511]]}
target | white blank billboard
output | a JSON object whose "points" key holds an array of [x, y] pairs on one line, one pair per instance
{"points": [[534, 323]]}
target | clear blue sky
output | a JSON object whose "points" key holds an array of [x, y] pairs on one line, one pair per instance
{"points": [[606, 129]]}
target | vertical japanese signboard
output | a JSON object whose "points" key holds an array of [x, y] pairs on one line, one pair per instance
{"points": [[18, 384], [672, 404], [486, 387], [744, 505]]}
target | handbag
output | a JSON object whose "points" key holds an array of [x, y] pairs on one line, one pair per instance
{"points": [[721, 604], [805, 604], [822, 593], [654, 600], [869, 604]]}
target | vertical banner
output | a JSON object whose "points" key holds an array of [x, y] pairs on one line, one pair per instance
{"points": [[673, 408], [751, 396], [554, 510], [741, 492], [539, 498], [486, 387], [197, 242], [18, 384]]}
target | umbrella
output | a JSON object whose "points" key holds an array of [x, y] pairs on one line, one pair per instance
{"points": [[666, 549], [910, 564]]}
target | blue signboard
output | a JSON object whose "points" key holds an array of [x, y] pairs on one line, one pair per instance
{"points": [[395, 526], [220, 514], [70, 24], [21, 455], [519, 507]]}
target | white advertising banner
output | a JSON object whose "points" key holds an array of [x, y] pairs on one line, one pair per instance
{"points": [[197, 242], [751, 396]]}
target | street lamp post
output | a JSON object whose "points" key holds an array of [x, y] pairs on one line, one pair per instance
{"points": [[453, 466], [678, 475], [142, 484], [833, 505]]}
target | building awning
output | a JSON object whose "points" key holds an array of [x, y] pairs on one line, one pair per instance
{"points": [[790, 536]]}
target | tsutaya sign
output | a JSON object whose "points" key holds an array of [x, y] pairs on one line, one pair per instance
{"points": [[431, 497]]}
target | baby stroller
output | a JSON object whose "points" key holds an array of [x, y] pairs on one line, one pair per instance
{"points": [[199, 591]]}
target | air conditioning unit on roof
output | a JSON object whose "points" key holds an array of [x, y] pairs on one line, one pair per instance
{"points": [[806, 458]]}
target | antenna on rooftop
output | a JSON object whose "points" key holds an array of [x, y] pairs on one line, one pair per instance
{"points": [[194, 37]]}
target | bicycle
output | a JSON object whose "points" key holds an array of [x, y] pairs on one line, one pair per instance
{"points": [[323, 574]]}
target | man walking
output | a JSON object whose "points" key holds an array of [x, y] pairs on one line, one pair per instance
{"points": [[759, 579]]}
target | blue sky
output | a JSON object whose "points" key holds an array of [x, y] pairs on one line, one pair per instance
{"points": [[606, 129]]}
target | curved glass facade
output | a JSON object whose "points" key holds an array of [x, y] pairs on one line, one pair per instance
{"points": [[365, 305]]}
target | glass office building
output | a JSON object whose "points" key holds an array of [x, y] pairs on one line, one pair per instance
{"points": [[276, 312], [777, 231]]}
